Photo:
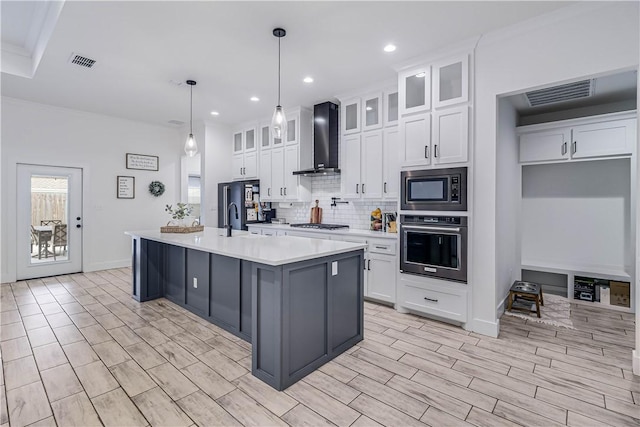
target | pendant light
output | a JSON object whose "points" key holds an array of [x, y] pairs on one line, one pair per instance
{"points": [[190, 147], [279, 121]]}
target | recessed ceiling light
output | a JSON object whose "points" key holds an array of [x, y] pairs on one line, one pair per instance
{"points": [[255, 99], [215, 113], [308, 80], [421, 75], [390, 48]]}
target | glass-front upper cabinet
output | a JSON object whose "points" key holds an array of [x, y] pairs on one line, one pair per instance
{"points": [[372, 111], [351, 116], [390, 104], [451, 81], [237, 143], [292, 130], [265, 136], [414, 89], [250, 140]]}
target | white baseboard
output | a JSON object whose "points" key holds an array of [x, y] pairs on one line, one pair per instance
{"points": [[97, 266], [486, 328], [501, 307], [636, 362]]}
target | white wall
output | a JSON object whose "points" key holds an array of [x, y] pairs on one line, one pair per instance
{"points": [[41, 134], [215, 169], [578, 41], [507, 201]]}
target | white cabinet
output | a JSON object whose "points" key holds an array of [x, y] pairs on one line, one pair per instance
{"points": [[238, 145], [390, 107], [446, 302], [450, 135], [381, 277], [372, 112], [350, 116], [250, 140], [350, 167], [277, 174], [415, 140], [362, 157], [371, 167], [293, 128], [266, 187], [291, 180], [391, 164], [245, 166], [593, 137], [545, 146], [414, 90], [612, 138], [265, 136], [283, 185], [451, 81]]}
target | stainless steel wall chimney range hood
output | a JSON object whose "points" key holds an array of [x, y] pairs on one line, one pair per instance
{"points": [[325, 141]]}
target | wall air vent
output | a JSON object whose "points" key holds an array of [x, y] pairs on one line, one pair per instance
{"points": [[176, 122], [568, 92], [81, 61]]}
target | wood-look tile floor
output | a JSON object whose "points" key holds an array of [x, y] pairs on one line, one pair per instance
{"points": [[78, 350]]}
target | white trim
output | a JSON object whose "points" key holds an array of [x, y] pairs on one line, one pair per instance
{"points": [[624, 115], [636, 362], [466, 46], [106, 265], [501, 307], [485, 327]]}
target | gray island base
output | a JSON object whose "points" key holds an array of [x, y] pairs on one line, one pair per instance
{"points": [[297, 315]]}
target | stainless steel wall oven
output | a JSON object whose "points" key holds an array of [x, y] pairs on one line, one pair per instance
{"points": [[434, 246], [434, 189]]}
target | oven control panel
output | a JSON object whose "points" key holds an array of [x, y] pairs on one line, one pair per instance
{"points": [[455, 189], [439, 220]]}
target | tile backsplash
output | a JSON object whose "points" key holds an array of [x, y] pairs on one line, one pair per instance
{"points": [[356, 213]]}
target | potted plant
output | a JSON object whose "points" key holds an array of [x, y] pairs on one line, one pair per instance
{"points": [[178, 215]]}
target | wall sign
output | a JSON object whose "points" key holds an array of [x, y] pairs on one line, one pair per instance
{"points": [[142, 162], [126, 187]]}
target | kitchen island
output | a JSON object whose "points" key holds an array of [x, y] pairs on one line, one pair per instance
{"points": [[299, 301]]}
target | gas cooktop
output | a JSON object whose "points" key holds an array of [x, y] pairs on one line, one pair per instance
{"points": [[321, 226]]}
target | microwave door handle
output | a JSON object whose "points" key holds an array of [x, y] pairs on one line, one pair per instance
{"points": [[423, 228]]}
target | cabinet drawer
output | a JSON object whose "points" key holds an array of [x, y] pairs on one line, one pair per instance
{"points": [[382, 247], [437, 302]]}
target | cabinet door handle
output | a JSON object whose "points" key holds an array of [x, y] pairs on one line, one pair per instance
{"points": [[430, 299], [369, 264], [240, 171], [281, 191], [575, 147], [426, 151], [382, 247], [435, 150], [269, 191], [285, 191], [362, 188], [385, 187], [563, 150], [357, 186]]}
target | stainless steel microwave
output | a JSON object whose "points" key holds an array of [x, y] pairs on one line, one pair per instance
{"points": [[434, 190]]}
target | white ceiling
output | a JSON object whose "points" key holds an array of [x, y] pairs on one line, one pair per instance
{"points": [[228, 48]]}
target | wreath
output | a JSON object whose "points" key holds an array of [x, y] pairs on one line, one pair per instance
{"points": [[156, 188]]}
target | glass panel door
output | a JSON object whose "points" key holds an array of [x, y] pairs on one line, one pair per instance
{"points": [[433, 249], [49, 221]]}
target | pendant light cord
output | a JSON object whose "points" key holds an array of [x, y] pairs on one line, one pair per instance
{"points": [[279, 70], [191, 111]]}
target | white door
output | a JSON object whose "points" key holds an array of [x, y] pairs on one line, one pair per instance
{"points": [[290, 165], [49, 224], [265, 176], [237, 166], [350, 167], [415, 137], [372, 165], [277, 174], [545, 146], [603, 139], [250, 165], [382, 280], [391, 164], [451, 135]]}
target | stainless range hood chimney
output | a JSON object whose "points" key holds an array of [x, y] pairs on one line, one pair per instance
{"points": [[325, 141]]}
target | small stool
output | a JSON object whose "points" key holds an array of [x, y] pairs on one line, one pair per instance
{"points": [[527, 291]]}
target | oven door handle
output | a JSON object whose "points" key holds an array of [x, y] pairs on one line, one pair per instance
{"points": [[423, 228]]}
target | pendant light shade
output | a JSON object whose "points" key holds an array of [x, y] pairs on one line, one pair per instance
{"points": [[279, 120], [191, 147]]}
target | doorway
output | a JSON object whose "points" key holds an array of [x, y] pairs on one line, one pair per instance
{"points": [[49, 221]]}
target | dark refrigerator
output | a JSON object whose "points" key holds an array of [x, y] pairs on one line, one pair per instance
{"points": [[244, 194]]}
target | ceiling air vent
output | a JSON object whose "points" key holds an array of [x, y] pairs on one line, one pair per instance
{"points": [[552, 95], [81, 61]]}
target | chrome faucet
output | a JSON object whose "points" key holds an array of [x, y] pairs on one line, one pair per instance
{"points": [[228, 224]]}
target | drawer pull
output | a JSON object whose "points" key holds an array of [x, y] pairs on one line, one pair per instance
{"points": [[382, 247], [430, 299]]}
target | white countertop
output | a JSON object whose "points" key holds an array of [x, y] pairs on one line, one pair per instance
{"points": [[270, 250], [338, 232]]}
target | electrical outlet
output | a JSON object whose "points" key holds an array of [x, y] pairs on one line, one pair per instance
{"points": [[334, 268], [195, 282]]}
